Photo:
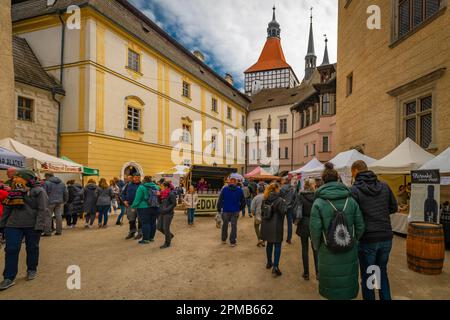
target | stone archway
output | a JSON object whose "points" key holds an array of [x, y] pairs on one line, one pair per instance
{"points": [[131, 168]]}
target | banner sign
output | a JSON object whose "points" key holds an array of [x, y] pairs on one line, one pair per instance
{"points": [[425, 196], [207, 203]]}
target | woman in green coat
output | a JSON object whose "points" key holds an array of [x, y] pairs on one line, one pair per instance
{"points": [[339, 272]]}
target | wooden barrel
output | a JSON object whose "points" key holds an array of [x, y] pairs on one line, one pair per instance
{"points": [[426, 248]]}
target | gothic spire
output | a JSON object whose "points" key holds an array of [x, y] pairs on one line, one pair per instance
{"points": [[311, 50], [311, 58], [326, 59]]}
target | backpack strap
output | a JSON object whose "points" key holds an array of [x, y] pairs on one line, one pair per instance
{"points": [[345, 206]]}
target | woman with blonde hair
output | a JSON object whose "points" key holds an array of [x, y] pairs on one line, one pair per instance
{"points": [[104, 200], [272, 228]]}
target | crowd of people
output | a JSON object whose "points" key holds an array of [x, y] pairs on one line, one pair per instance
{"points": [[348, 229]]}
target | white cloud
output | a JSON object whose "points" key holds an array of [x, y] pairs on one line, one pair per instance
{"points": [[233, 32]]}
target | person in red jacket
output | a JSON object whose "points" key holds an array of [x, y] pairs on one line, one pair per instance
{"points": [[3, 196]]}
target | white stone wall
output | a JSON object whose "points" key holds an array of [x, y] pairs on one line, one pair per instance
{"points": [[41, 132]]}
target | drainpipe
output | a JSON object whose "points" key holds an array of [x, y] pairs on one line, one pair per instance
{"points": [[61, 78], [292, 141]]}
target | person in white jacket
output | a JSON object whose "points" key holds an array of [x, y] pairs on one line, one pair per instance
{"points": [[190, 201]]}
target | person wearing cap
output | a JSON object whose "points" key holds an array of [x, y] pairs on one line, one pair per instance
{"points": [[129, 196], [231, 202], [25, 214]]}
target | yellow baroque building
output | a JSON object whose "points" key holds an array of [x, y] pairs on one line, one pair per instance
{"points": [[129, 85]]}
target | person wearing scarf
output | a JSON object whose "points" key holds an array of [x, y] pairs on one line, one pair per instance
{"points": [[166, 210], [24, 216]]}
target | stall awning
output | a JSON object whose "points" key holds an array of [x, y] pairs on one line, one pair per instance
{"points": [[40, 161], [441, 162], [11, 159], [211, 172], [314, 163], [87, 172]]}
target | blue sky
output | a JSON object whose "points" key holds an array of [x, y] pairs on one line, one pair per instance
{"points": [[232, 33]]}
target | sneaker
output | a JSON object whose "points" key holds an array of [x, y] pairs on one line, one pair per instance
{"points": [[233, 245], [305, 276], [46, 234], [269, 265], [144, 242], [138, 236], [165, 246], [6, 284], [58, 234], [31, 275], [130, 236], [276, 272]]}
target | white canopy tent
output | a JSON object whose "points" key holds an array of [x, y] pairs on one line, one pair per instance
{"points": [[40, 161], [406, 157], [174, 174], [314, 163], [342, 163], [441, 162]]}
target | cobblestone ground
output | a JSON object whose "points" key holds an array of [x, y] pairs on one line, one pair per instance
{"points": [[198, 266]]}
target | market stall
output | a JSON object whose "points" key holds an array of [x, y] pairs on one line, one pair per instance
{"points": [[42, 163], [11, 159], [214, 179], [259, 174], [298, 175], [395, 169], [342, 163], [175, 175], [87, 172]]}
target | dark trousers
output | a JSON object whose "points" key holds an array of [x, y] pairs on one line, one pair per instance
{"points": [[14, 237], [164, 222], [122, 213], [290, 221], [227, 218], [375, 254], [148, 218], [191, 215], [276, 255], [305, 256], [103, 214], [71, 219], [248, 204], [90, 216]]}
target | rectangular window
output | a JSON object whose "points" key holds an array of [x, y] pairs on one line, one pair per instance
{"points": [[229, 145], [314, 116], [412, 13], [243, 121], [257, 128], [25, 109], [325, 144], [418, 121], [186, 138], [286, 153], [229, 113], [134, 119], [134, 60], [306, 150], [350, 84], [214, 104], [186, 89], [326, 104], [313, 149], [283, 126]]}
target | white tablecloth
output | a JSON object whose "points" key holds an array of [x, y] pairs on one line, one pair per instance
{"points": [[399, 223]]}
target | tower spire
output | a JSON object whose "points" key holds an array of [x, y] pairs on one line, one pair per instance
{"points": [[326, 59], [273, 31], [311, 58]]}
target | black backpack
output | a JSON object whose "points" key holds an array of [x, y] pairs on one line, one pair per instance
{"points": [[266, 210], [338, 238]]}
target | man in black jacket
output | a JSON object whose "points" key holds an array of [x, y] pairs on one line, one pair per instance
{"points": [[377, 203]]}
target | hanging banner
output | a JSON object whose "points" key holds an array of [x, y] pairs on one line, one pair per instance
{"points": [[425, 196]]}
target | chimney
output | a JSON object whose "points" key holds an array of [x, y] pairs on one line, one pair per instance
{"points": [[229, 78], [199, 55]]}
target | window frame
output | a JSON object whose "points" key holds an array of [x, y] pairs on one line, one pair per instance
{"points": [[31, 109], [186, 89], [214, 105], [283, 125], [229, 113], [130, 65], [350, 84], [417, 116], [131, 127], [327, 138]]}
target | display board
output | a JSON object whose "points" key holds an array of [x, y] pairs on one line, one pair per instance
{"points": [[425, 196]]}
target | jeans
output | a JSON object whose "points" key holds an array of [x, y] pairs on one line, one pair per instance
{"points": [[227, 218], [90, 216], [164, 222], [191, 215], [290, 222], [103, 214], [305, 256], [148, 218], [375, 254], [71, 219], [122, 213], [248, 204], [57, 209], [14, 237], [276, 254]]}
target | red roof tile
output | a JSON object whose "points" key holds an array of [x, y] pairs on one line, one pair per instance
{"points": [[272, 57]]}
